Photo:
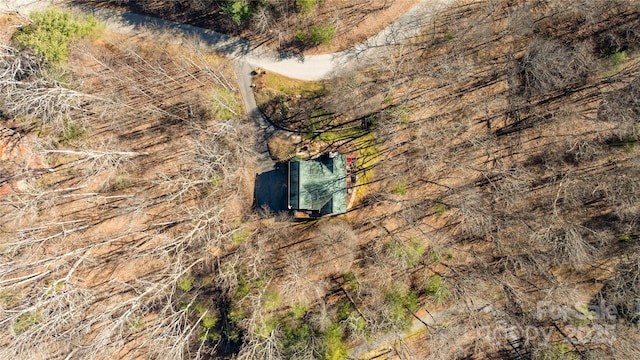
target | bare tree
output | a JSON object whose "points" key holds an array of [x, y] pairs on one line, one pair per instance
{"points": [[27, 92], [548, 66], [337, 242]]}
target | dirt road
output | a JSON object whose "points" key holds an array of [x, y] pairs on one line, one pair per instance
{"points": [[303, 67]]}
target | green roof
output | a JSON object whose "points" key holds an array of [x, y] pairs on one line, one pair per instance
{"points": [[319, 185]]}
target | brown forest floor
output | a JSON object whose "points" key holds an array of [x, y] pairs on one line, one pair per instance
{"points": [[108, 221], [484, 187], [355, 20]]}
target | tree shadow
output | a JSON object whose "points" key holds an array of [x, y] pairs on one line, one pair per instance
{"points": [[229, 45], [270, 189]]}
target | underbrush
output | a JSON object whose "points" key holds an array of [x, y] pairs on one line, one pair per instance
{"points": [[51, 32], [141, 194]]}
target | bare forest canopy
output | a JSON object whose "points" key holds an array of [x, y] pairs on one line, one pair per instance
{"points": [[291, 25], [506, 176]]}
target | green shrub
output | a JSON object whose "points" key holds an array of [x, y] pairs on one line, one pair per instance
{"points": [[399, 302], [301, 36], [25, 321], [230, 327], [71, 132], [8, 298], [267, 326], [208, 335], [199, 308], [271, 299], [400, 188], [317, 35], [305, 6], [296, 338], [617, 58], [434, 287], [449, 35], [402, 112], [208, 322], [440, 209], [626, 143], [350, 281], [51, 32], [333, 347], [243, 289], [409, 253], [584, 317], [226, 104], [136, 325], [415, 249], [120, 183], [239, 10], [240, 236], [433, 284], [344, 309], [561, 351], [625, 238], [236, 315], [185, 283], [207, 331], [215, 180], [55, 287], [355, 325], [298, 311], [437, 254], [322, 34], [351, 318]]}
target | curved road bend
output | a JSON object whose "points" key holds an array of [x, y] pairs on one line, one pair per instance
{"points": [[303, 67], [246, 56]]}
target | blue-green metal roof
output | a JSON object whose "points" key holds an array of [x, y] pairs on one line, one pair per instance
{"points": [[319, 185]]}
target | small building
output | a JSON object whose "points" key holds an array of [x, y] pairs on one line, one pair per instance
{"points": [[317, 187]]}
